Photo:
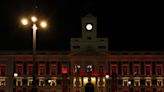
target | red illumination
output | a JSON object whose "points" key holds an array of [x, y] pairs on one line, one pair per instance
{"points": [[125, 90], [19, 69], [148, 71], [19, 90], [159, 69], [136, 70], [125, 69], [42, 70], [114, 69], [29, 69], [2, 69], [53, 69], [64, 70]]}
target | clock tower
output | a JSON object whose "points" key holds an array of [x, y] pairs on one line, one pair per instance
{"points": [[89, 27], [89, 43]]}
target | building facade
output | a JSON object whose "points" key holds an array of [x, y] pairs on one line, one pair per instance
{"points": [[87, 67]]}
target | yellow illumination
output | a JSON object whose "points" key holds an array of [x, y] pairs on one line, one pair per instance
{"points": [[34, 19], [34, 27], [99, 81], [107, 76], [24, 21], [43, 24], [85, 80], [74, 81]]}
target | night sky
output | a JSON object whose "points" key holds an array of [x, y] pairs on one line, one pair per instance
{"points": [[133, 25]]}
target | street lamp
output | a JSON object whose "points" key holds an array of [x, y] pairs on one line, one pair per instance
{"points": [[15, 74], [129, 83], [43, 24], [107, 82]]}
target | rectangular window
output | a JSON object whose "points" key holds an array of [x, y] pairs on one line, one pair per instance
{"points": [[159, 83], [125, 69], [147, 69], [64, 69], [101, 70], [52, 82], [29, 69], [19, 69], [148, 83], [2, 69], [53, 70], [42, 70], [89, 69], [136, 70], [136, 82], [77, 69], [41, 83], [2, 82], [114, 69], [29, 82], [159, 69], [125, 83], [19, 82]]}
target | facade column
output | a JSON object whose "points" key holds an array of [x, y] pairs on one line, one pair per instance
{"points": [[9, 79]]}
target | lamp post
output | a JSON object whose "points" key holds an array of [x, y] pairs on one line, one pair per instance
{"points": [[43, 24], [107, 82]]}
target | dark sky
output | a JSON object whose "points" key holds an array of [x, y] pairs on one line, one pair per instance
{"points": [[129, 25]]}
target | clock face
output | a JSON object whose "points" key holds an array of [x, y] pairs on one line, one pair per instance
{"points": [[89, 27]]}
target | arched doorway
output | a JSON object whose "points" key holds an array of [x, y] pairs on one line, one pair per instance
{"points": [[89, 87]]}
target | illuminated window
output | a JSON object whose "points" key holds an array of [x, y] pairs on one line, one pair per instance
{"points": [[136, 82], [101, 69], [136, 70], [53, 70], [19, 82], [89, 69], [41, 82], [42, 70], [77, 69], [113, 70], [159, 69], [159, 83], [64, 70], [125, 83], [148, 83], [125, 69], [2, 69], [52, 82], [2, 82], [19, 69], [148, 69], [29, 69], [29, 82]]}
